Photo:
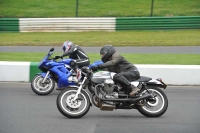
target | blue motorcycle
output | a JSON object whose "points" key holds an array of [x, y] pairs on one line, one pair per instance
{"points": [[53, 71]]}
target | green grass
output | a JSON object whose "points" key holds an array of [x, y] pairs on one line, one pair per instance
{"points": [[181, 59], [97, 8], [103, 8], [122, 38]]}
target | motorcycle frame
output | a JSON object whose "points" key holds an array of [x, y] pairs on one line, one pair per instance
{"points": [[152, 83]]}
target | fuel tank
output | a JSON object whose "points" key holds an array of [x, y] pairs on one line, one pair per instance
{"points": [[100, 76]]}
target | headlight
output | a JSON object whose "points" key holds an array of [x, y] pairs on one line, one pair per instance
{"points": [[70, 79], [73, 79]]}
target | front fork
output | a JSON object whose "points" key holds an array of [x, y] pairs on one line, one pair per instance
{"points": [[45, 77], [79, 88]]}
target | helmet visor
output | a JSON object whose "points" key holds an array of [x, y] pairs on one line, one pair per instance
{"points": [[102, 55], [66, 47]]}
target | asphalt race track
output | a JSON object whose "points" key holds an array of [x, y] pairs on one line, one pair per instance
{"points": [[22, 111], [136, 50]]}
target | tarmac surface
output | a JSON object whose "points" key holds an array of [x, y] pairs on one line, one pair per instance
{"points": [[136, 50], [22, 111]]}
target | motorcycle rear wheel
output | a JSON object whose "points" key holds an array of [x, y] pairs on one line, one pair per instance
{"points": [[73, 108], [156, 107], [42, 88]]}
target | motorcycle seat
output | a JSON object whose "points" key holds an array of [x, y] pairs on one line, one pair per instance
{"points": [[143, 79]]}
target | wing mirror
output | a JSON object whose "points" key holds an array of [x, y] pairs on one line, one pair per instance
{"points": [[52, 49]]}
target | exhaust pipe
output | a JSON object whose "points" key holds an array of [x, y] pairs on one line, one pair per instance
{"points": [[123, 100]]}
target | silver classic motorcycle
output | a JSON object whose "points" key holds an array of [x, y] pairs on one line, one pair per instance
{"points": [[75, 102]]}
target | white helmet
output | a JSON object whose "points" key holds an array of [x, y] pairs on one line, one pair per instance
{"points": [[67, 45]]}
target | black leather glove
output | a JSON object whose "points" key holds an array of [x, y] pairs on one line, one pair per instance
{"points": [[56, 57], [100, 66], [94, 68], [85, 69], [61, 56]]}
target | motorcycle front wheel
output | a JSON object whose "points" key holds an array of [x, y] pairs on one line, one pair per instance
{"points": [[154, 107], [70, 107], [42, 88]]}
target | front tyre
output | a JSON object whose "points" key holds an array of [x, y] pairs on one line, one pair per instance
{"points": [[70, 107], [42, 88], [154, 107]]}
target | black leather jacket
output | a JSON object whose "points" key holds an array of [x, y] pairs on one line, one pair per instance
{"points": [[117, 64], [78, 55]]}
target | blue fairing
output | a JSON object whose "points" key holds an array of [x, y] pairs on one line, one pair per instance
{"points": [[60, 69], [43, 61], [66, 61], [63, 75], [63, 81]]}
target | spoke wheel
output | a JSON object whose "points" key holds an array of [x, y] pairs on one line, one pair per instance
{"points": [[42, 88], [154, 107], [70, 107]]}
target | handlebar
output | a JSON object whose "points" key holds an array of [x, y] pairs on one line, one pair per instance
{"points": [[87, 72], [57, 57]]}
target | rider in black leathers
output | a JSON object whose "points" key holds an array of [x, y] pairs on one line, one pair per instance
{"points": [[125, 71], [76, 53]]}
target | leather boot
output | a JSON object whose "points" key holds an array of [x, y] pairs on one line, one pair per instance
{"points": [[123, 81], [133, 89]]}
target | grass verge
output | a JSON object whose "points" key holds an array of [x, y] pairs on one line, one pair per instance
{"points": [[175, 59], [121, 38]]}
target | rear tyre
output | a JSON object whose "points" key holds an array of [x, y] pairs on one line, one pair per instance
{"points": [[42, 88], [154, 107]]}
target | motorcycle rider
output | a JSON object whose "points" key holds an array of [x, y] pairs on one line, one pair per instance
{"points": [[75, 52], [125, 71]]}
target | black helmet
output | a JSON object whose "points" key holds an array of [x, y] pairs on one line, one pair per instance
{"points": [[107, 51]]}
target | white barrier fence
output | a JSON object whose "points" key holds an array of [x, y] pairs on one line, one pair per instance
{"points": [[171, 74], [66, 24], [14, 71]]}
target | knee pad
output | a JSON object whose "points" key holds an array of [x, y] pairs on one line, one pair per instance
{"points": [[116, 76], [72, 63]]}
